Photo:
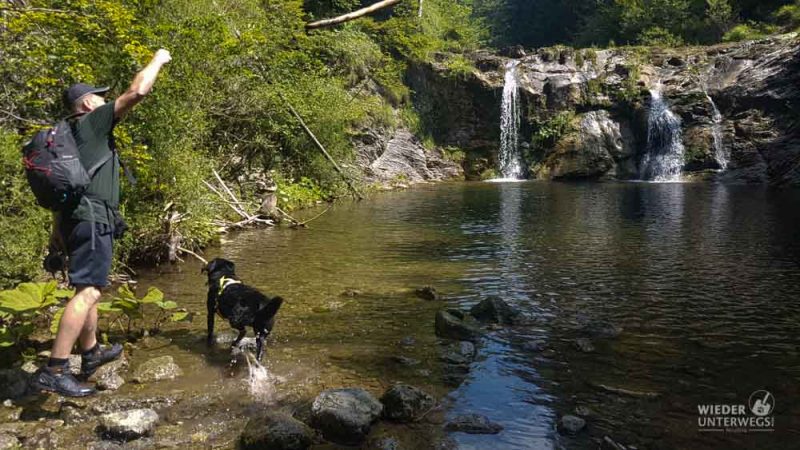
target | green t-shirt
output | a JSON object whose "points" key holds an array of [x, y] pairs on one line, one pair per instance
{"points": [[92, 133]]}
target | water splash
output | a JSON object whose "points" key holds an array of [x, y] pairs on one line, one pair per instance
{"points": [[663, 159], [720, 152], [510, 160], [261, 384]]}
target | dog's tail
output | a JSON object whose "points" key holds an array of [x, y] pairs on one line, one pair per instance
{"points": [[271, 307]]}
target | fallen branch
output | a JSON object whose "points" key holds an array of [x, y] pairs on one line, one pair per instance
{"points": [[351, 16], [226, 201], [203, 260], [303, 223], [294, 221]]}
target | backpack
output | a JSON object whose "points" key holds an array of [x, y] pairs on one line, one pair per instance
{"points": [[54, 170]]}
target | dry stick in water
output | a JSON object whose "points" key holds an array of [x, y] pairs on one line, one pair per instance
{"points": [[203, 260]]}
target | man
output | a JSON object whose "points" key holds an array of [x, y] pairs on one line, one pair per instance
{"points": [[87, 230]]}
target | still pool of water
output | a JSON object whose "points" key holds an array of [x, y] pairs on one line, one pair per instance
{"points": [[703, 280]]}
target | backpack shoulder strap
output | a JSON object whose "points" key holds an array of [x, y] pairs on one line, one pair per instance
{"points": [[92, 170]]}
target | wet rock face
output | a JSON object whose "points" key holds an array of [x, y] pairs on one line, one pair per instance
{"points": [[128, 425], [473, 424], [275, 431], [13, 383], [398, 156], [755, 86], [345, 415], [405, 403], [157, 369]]}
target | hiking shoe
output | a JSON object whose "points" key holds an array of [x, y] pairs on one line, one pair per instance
{"points": [[92, 361], [60, 381]]}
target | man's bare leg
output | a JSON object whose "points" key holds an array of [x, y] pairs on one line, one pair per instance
{"points": [[88, 337], [76, 313]]}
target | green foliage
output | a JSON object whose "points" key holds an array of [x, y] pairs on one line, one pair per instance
{"points": [[24, 226], [22, 306], [789, 15], [659, 37], [303, 193], [546, 133], [746, 32], [458, 66], [148, 313]]}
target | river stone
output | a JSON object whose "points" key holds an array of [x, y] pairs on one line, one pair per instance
{"points": [[495, 310], [405, 403], [8, 441], [584, 345], [110, 382], [570, 424], [601, 329], [459, 353], [276, 431], [129, 425], [112, 368], [157, 369], [452, 324], [428, 293], [473, 424], [345, 415]]}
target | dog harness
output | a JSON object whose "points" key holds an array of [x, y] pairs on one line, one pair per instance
{"points": [[224, 282]]}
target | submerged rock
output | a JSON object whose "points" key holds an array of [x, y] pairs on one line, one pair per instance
{"points": [[110, 382], [382, 443], [128, 425], [157, 369], [570, 424], [584, 345], [276, 431], [428, 293], [459, 353], [345, 415], [601, 329], [473, 424], [452, 324], [495, 310], [405, 403]]}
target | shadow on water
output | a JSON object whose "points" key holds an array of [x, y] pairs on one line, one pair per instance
{"points": [[702, 280]]}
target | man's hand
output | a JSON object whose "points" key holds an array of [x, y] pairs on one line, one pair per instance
{"points": [[162, 56], [142, 84]]}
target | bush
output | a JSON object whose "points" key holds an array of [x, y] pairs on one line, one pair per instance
{"points": [[789, 15], [749, 31], [659, 37]]}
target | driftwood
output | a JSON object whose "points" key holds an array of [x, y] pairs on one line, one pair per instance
{"points": [[353, 15], [203, 260], [235, 205]]}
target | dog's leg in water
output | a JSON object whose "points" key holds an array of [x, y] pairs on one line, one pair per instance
{"points": [[239, 338], [260, 344]]}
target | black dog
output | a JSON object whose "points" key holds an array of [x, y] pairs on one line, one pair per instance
{"points": [[238, 303]]}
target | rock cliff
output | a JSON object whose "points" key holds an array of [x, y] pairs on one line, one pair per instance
{"points": [[585, 112]]}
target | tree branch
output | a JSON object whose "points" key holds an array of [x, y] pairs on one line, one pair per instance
{"points": [[353, 15]]}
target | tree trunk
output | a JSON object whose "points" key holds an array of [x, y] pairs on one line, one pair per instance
{"points": [[353, 15]]}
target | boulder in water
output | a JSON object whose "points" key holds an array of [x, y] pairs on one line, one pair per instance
{"points": [[584, 345], [473, 424], [157, 369], [495, 310], [459, 353], [601, 329], [570, 425], [405, 403], [453, 324], [345, 415], [275, 431], [128, 425], [13, 383]]}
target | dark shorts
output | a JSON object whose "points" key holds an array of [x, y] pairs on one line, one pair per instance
{"points": [[87, 266]]}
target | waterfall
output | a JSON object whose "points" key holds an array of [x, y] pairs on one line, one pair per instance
{"points": [[510, 160], [720, 153], [663, 159]]}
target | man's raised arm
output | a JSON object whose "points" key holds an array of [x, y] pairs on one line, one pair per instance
{"points": [[142, 84]]}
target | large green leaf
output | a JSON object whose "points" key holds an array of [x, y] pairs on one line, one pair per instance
{"points": [[107, 307], [6, 338], [125, 292], [169, 304], [153, 296], [181, 316], [26, 297]]}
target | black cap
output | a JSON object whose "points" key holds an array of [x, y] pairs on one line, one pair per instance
{"points": [[76, 91]]}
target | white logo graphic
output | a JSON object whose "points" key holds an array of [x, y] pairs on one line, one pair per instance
{"points": [[761, 403]]}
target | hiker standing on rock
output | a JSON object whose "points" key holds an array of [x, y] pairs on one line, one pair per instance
{"points": [[86, 230]]}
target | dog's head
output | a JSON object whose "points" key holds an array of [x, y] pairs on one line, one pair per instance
{"points": [[219, 267]]}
